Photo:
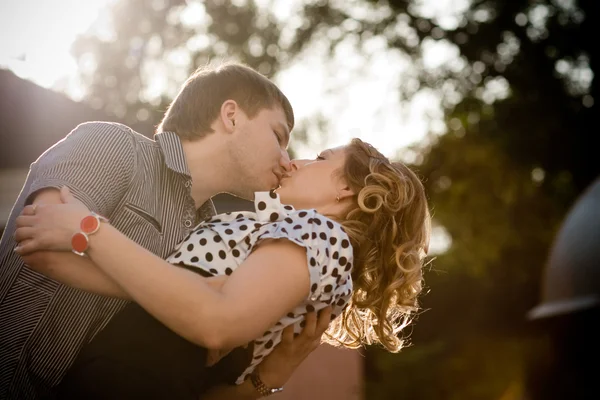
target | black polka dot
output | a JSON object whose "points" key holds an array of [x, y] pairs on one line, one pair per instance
{"points": [[284, 230], [269, 344], [327, 252], [257, 225], [261, 205], [328, 288], [314, 235], [348, 267], [313, 262], [335, 255], [330, 224], [202, 242], [178, 254], [310, 220], [194, 259], [291, 315], [229, 231], [342, 261], [288, 220], [272, 194], [228, 271], [305, 236], [335, 272], [225, 224], [332, 240], [341, 302], [217, 238], [296, 227], [302, 324], [199, 232], [209, 257], [314, 287], [323, 236], [289, 208], [345, 243], [190, 247], [243, 227], [302, 214], [231, 243], [216, 220], [239, 216], [324, 270], [247, 240], [213, 271], [317, 221], [222, 254], [310, 308], [274, 216], [235, 252]]}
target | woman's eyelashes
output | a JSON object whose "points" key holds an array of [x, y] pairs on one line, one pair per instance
{"points": [[319, 157]]}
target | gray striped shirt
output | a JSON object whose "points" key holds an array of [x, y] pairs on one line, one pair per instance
{"points": [[143, 187]]}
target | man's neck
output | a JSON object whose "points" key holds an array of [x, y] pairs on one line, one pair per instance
{"points": [[208, 163]]}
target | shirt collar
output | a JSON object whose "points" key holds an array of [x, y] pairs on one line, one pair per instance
{"points": [[269, 208], [172, 150]]}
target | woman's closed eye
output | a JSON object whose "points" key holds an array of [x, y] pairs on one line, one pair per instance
{"points": [[319, 157]]}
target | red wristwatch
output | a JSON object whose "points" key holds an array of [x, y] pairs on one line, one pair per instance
{"points": [[88, 225]]}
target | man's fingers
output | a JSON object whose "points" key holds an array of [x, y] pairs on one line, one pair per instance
{"points": [[323, 321], [310, 325], [287, 336]]}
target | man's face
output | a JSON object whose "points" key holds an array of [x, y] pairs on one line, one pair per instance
{"points": [[260, 151]]}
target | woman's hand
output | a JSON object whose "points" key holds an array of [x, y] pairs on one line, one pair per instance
{"points": [[49, 226]]}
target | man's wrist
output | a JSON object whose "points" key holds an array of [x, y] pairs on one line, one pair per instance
{"points": [[263, 388]]}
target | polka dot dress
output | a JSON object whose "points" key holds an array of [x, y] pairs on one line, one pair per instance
{"points": [[220, 244]]}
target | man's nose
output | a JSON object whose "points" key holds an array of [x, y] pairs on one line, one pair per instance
{"points": [[284, 161]]}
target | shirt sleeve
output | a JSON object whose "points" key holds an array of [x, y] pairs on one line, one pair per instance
{"points": [[328, 250], [96, 161]]}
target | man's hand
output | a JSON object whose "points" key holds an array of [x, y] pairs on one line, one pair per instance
{"points": [[278, 367]]}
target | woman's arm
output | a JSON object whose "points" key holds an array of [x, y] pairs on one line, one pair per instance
{"points": [[74, 271], [81, 273], [271, 282]]}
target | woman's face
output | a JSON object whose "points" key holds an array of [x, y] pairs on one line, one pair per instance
{"points": [[315, 183]]}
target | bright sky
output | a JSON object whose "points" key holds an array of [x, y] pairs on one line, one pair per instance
{"points": [[36, 36]]}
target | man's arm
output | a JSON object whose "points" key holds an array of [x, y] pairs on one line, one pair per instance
{"points": [[277, 368]]}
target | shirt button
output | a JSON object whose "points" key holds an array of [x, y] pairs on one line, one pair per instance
{"points": [[187, 223]]}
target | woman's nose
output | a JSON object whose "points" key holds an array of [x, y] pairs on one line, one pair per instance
{"points": [[297, 164]]}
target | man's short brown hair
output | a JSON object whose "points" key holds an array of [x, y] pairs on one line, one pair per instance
{"points": [[198, 103]]}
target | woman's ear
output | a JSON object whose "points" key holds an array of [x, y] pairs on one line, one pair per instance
{"points": [[344, 192]]}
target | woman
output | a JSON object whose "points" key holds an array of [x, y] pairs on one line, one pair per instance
{"points": [[359, 224]]}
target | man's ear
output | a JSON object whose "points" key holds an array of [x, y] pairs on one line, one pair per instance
{"points": [[229, 111]]}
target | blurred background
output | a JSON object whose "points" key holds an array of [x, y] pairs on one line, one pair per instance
{"points": [[491, 101]]}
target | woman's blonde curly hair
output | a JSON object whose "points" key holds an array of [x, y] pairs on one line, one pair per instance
{"points": [[389, 227]]}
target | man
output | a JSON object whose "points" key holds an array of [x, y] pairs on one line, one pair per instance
{"points": [[226, 131]]}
